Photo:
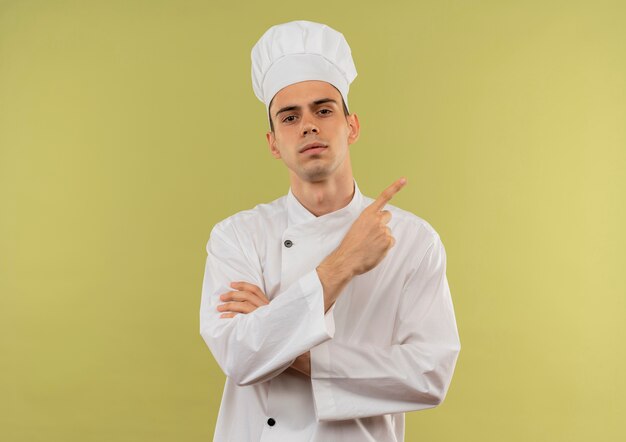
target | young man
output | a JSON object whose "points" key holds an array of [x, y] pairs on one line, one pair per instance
{"points": [[328, 311]]}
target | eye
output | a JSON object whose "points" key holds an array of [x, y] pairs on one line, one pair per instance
{"points": [[327, 111], [287, 119]]}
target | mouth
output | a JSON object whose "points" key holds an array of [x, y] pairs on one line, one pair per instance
{"points": [[313, 147]]}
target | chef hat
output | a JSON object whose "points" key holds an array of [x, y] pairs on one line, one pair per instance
{"points": [[297, 51]]}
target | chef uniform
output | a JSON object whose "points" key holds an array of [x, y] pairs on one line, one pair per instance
{"points": [[388, 345]]}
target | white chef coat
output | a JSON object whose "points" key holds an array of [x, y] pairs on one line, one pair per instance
{"points": [[388, 345]]}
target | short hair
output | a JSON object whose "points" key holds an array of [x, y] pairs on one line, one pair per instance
{"points": [[343, 103]]}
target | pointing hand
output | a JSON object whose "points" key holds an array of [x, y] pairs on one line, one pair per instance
{"points": [[369, 239]]}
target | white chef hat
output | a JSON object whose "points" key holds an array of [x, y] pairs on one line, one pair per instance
{"points": [[297, 51]]}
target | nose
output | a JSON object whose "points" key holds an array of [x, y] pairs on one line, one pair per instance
{"points": [[308, 126]]}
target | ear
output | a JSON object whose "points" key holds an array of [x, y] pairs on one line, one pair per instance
{"points": [[271, 142], [355, 128]]}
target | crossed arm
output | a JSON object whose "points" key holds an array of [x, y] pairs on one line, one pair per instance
{"points": [[412, 372], [364, 246], [333, 273], [245, 299], [293, 331]]}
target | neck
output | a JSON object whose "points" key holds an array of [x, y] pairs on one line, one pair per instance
{"points": [[326, 196]]}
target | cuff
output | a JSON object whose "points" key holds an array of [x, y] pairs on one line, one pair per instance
{"points": [[321, 382], [314, 294]]}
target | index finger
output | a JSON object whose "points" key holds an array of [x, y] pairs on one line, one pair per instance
{"points": [[242, 285], [387, 194]]}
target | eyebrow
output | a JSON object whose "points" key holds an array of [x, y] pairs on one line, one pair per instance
{"points": [[315, 103]]}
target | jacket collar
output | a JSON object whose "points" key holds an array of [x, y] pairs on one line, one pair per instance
{"points": [[298, 214]]}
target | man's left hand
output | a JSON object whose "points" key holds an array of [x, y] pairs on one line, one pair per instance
{"points": [[246, 299]]}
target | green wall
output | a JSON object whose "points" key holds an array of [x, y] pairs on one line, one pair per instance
{"points": [[129, 128]]}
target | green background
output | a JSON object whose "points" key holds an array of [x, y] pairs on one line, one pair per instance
{"points": [[129, 128]]}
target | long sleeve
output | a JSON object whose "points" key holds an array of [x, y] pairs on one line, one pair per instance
{"points": [[413, 372], [254, 347]]}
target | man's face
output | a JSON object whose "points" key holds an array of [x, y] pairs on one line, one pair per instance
{"points": [[311, 112]]}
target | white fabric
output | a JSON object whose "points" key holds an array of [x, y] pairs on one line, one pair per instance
{"points": [[388, 345], [298, 51]]}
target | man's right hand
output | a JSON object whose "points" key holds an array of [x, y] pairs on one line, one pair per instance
{"points": [[364, 246]]}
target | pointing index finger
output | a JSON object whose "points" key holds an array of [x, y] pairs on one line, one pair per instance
{"points": [[387, 194]]}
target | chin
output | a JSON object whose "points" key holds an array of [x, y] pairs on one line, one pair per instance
{"points": [[315, 174]]}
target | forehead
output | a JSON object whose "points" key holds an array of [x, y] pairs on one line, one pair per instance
{"points": [[303, 93]]}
